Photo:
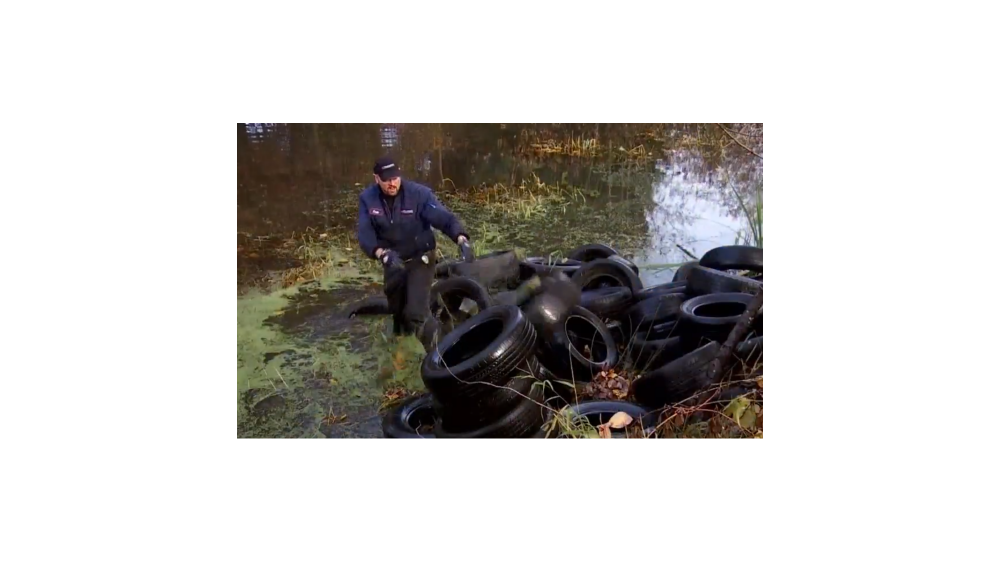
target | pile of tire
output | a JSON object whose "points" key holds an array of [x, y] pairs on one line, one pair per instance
{"points": [[502, 371]]}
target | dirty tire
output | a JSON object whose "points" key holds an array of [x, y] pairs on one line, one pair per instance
{"points": [[663, 289], [546, 431], [711, 317], [402, 421], [495, 270], [742, 258], [705, 281], [369, 306], [505, 297], [626, 262], [523, 421], [648, 355], [456, 288], [677, 380], [591, 252], [683, 271], [459, 417], [606, 301], [561, 353], [599, 412], [489, 347], [541, 265], [606, 273], [652, 311], [443, 268], [750, 351]]}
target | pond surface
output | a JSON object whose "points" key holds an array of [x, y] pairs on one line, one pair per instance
{"points": [[655, 188], [658, 193]]}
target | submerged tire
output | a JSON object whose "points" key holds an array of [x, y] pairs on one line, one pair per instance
{"points": [[488, 348], [742, 258], [523, 421], [369, 306], [606, 273], [404, 421], [606, 301], [705, 281], [711, 317], [591, 252], [677, 380], [663, 289], [599, 412], [563, 352]]}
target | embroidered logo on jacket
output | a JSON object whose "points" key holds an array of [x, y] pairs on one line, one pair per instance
{"points": [[374, 211], [407, 211]]}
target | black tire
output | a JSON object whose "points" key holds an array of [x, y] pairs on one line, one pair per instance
{"points": [[403, 421], [505, 297], [562, 353], [660, 331], [591, 252], [606, 301], [652, 311], [599, 412], [684, 271], [626, 262], [447, 295], [705, 281], [370, 306], [618, 332], [751, 351], [711, 317], [677, 380], [495, 270], [546, 431], [523, 421], [648, 355], [664, 289], [470, 415], [442, 270], [489, 347], [542, 265], [606, 273], [741, 258]]}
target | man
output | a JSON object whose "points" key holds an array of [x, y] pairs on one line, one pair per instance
{"points": [[395, 217]]}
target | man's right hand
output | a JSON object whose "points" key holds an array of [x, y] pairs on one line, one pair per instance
{"points": [[390, 259]]}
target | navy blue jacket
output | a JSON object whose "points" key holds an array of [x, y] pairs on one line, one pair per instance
{"points": [[405, 226]]}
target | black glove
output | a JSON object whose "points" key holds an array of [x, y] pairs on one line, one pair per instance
{"points": [[390, 260], [465, 251]]}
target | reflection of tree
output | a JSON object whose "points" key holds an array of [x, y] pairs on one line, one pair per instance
{"points": [[298, 175]]}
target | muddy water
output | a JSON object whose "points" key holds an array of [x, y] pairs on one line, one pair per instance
{"points": [[677, 187], [656, 192]]}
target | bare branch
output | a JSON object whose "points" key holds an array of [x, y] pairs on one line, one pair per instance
{"points": [[737, 141]]}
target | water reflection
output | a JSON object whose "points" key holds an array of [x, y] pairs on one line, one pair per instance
{"points": [[676, 185]]}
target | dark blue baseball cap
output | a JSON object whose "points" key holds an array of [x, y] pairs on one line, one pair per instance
{"points": [[386, 168]]}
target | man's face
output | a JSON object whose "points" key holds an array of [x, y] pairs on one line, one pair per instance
{"points": [[389, 187]]}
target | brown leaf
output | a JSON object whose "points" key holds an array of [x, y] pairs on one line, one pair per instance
{"points": [[620, 420], [760, 382]]}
